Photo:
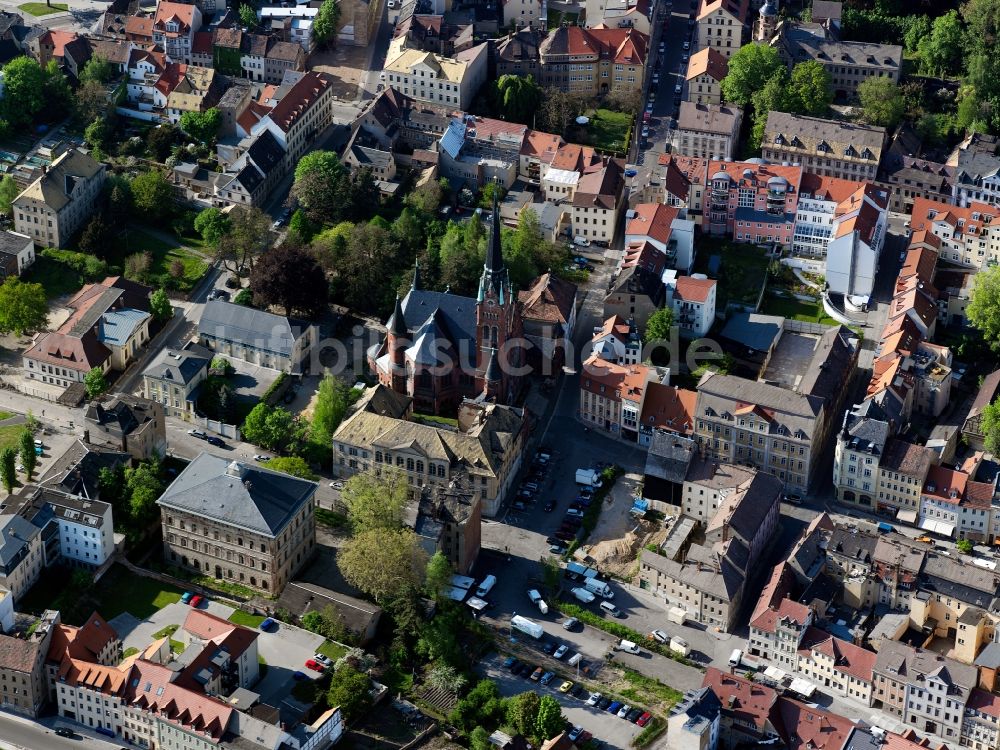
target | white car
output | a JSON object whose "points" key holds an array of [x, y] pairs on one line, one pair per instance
{"points": [[677, 88], [623, 711], [574, 513], [336, 485], [560, 652], [660, 636], [260, 458], [326, 661], [593, 699], [645, 132], [687, 46], [684, 57]]}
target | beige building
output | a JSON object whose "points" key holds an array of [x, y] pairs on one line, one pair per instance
{"points": [[901, 476], [593, 61], [847, 150], [706, 69], [23, 685], [483, 454], [57, 205], [22, 556], [598, 204], [720, 25], [238, 522], [173, 377], [707, 131], [130, 424], [433, 78]]}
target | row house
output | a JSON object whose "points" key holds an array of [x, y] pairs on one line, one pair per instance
{"points": [[617, 341], [908, 175], [598, 203], [860, 446], [448, 81], [721, 24], [953, 503], [300, 116], [846, 150], [902, 472], [611, 395], [969, 236], [708, 131], [692, 299], [520, 13], [751, 202], [705, 71], [633, 14], [837, 665], [977, 170], [173, 29], [636, 290]]}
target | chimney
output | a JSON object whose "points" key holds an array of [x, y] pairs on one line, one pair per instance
{"points": [[86, 436]]}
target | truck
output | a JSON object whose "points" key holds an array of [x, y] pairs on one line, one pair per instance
{"points": [[529, 627], [588, 478], [599, 587], [679, 646], [537, 600], [677, 615], [885, 528], [581, 570], [583, 595]]}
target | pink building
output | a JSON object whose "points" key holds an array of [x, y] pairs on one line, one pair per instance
{"points": [[752, 202]]}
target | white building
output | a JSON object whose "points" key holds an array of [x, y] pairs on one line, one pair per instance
{"points": [[17, 252], [859, 230], [692, 299], [521, 13], [666, 229], [436, 79], [617, 341]]}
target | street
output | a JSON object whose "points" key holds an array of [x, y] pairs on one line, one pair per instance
{"points": [[18, 733]]}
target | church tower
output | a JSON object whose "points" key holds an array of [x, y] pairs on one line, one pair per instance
{"points": [[767, 22], [497, 320], [397, 338]]}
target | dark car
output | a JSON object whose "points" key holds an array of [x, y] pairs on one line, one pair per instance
{"points": [[217, 442], [64, 732], [549, 647], [526, 670], [603, 704], [509, 662], [549, 507], [634, 714]]}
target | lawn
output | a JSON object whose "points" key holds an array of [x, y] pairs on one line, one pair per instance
{"points": [[332, 650], [434, 420], [120, 590], [332, 519], [246, 619], [4, 415], [607, 131], [796, 309], [136, 240], [57, 278], [741, 269], [41, 9], [10, 435]]}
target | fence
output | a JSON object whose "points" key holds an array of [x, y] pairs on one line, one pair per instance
{"points": [[230, 431]]}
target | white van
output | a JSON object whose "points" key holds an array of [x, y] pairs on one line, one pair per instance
{"points": [[484, 588], [735, 658], [629, 646], [610, 608]]}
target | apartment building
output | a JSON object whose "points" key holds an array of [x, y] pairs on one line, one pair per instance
{"points": [[923, 688], [977, 170], [693, 299], [173, 377], [521, 13], [23, 687], [721, 25], [901, 476], [968, 236], [598, 203], [981, 723], [617, 341], [751, 202], [594, 61], [238, 522], [53, 208], [636, 291], [781, 426], [428, 77], [301, 115], [848, 63], [707, 131], [174, 27], [611, 395], [667, 229], [860, 446], [841, 666], [705, 71], [845, 150], [694, 721], [126, 423], [710, 579], [859, 229], [908, 175], [548, 311], [76, 531], [483, 454]]}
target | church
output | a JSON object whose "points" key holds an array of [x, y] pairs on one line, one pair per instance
{"points": [[441, 348]]}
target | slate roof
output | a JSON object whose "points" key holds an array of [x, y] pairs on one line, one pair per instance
{"points": [[180, 366], [256, 328], [15, 535], [18, 654], [242, 495], [548, 299], [753, 330]]}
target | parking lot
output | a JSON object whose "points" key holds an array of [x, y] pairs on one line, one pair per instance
{"points": [[615, 732]]}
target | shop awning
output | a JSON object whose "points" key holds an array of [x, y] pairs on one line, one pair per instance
{"points": [[907, 516], [938, 527]]}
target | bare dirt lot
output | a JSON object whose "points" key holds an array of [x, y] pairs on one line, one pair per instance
{"points": [[345, 64]]}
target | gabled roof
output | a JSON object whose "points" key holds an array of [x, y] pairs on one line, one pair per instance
{"points": [[299, 99], [182, 13], [256, 328], [847, 658], [708, 60], [691, 289], [241, 495], [179, 366], [139, 26], [668, 408], [653, 220], [548, 299]]}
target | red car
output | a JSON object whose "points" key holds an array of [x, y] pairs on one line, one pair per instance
{"points": [[196, 601], [644, 719], [314, 665]]}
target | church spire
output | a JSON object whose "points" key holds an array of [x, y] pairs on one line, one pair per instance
{"points": [[416, 276], [495, 275], [397, 324]]}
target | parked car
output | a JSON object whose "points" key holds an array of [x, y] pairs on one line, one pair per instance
{"points": [[549, 507], [314, 665], [299, 676], [549, 647], [574, 512], [64, 732], [560, 652], [336, 485], [261, 458], [198, 434], [537, 674], [196, 601], [603, 704], [594, 699], [623, 711], [267, 623], [660, 636], [186, 597], [613, 707], [566, 686], [547, 678], [634, 714], [570, 623], [217, 442], [644, 719], [574, 733], [326, 661]]}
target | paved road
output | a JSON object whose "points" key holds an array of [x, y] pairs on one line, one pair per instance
{"points": [[17, 733]]}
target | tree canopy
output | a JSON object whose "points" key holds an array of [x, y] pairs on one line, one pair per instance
{"points": [[23, 307], [95, 382], [810, 89], [289, 277], [383, 562], [376, 499], [518, 98], [202, 126], [881, 102], [160, 307], [152, 194], [984, 306], [750, 67], [212, 224]]}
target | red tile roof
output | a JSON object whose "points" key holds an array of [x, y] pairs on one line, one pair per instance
{"points": [[150, 687], [617, 380], [669, 408], [182, 13], [947, 485], [831, 189], [139, 26], [57, 40], [614, 326], [549, 299], [694, 290], [984, 702], [202, 44], [787, 609], [708, 60], [847, 658], [299, 99], [746, 701], [808, 728], [924, 209], [652, 220], [575, 158], [540, 145]]}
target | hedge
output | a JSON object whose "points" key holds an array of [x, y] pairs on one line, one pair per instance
{"points": [[650, 732], [273, 388], [622, 631]]}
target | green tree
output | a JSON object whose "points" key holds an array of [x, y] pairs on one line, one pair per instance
{"points": [[95, 382], [96, 133], [8, 468], [482, 706], [332, 400], [161, 140], [811, 89], [446, 677], [427, 197], [243, 297], [881, 102], [248, 16], [268, 426], [550, 720], [480, 739], [964, 546], [750, 67], [160, 307], [8, 192], [383, 562], [324, 163], [26, 449], [942, 52], [111, 487], [551, 572], [58, 94], [919, 28], [152, 194], [23, 307], [439, 573], [293, 465], [24, 92], [522, 712], [144, 486], [349, 690], [984, 306], [247, 239], [376, 499], [982, 62], [518, 97], [326, 23], [991, 427], [773, 97], [658, 326], [202, 126], [96, 69], [490, 191], [212, 225]]}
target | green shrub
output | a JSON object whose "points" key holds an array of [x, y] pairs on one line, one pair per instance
{"points": [[273, 388], [90, 267], [650, 732]]}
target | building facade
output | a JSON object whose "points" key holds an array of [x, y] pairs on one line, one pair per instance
{"points": [[848, 151]]}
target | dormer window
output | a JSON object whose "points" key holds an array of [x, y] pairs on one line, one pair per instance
{"points": [[172, 26], [849, 151], [780, 139], [796, 143], [867, 154], [823, 147]]}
